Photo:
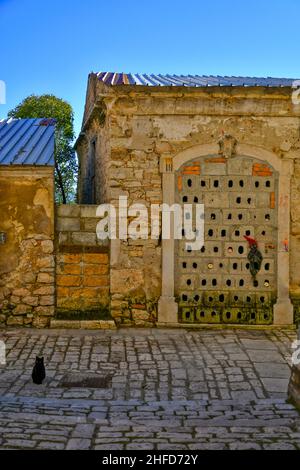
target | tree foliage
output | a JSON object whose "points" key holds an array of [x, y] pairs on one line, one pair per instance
{"points": [[49, 106]]}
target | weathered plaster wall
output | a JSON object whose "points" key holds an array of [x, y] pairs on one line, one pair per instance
{"points": [[26, 258], [82, 270], [146, 125]]}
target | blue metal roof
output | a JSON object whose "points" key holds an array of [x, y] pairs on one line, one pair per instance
{"points": [[27, 141], [112, 78]]}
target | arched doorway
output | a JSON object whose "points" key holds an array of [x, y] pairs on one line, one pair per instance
{"points": [[214, 284], [244, 194]]}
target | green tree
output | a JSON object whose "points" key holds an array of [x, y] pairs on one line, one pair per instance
{"points": [[49, 106]]}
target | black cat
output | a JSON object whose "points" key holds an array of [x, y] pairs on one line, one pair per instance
{"points": [[38, 372]]}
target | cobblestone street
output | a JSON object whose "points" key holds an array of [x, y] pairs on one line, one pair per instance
{"points": [[148, 389]]}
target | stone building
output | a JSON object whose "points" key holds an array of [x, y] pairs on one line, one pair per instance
{"points": [[52, 267], [27, 289], [230, 143]]}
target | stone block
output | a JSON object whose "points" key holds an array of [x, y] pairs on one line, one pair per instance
{"points": [[45, 262], [79, 444], [47, 246], [283, 312], [167, 310], [87, 293], [66, 281], [41, 321], [72, 258], [235, 249], [238, 232], [133, 184], [236, 183], [211, 248], [68, 210], [234, 216], [64, 324], [45, 278], [95, 269], [262, 199], [46, 300], [29, 278], [15, 321], [84, 430], [64, 238], [88, 211], [45, 311], [218, 168], [239, 166], [68, 224], [124, 280], [114, 195], [95, 281], [97, 324], [89, 225], [62, 292], [68, 268], [214, 216], [217, 200], [241, 200], [22, 309], [30, 300], [22, 292], [75, 294], [101, 258], [84, 238], [188, 282]]}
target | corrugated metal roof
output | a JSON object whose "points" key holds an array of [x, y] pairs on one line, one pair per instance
{"points": [[112, 78], [27, 141]]}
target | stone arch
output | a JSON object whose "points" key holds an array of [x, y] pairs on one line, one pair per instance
{"points": [[283, 309], [212, 149]]}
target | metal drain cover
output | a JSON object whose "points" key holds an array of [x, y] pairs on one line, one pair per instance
{"points": [[83, 380]]}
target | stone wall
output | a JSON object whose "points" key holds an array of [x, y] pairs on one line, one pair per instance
{"points": [[146, 125], [26, 254], [82, 263], [95, 118], [294, 385]]}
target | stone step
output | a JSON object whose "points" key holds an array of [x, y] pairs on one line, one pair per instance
{"points": [[83, 324]]}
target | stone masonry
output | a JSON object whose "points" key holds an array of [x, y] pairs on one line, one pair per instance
{"points": [[137, 133], [82, 262], [27, 282]]}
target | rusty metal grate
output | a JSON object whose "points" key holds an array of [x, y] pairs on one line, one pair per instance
{"points": [[82, 380]]}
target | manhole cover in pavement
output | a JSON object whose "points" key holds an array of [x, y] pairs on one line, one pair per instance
{"points": [[81, 380]]}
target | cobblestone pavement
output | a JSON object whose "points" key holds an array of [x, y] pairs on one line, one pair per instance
{"points": [[157, 389]]}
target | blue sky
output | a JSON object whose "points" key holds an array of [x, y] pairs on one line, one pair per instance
{"points": [[50, 47]]}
